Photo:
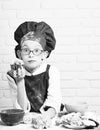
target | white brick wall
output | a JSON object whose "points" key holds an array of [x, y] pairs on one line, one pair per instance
{"points": [[76, 24]]}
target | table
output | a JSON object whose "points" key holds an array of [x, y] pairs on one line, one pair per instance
{"points": [[26, 127], [29, 127], [23, 126]]}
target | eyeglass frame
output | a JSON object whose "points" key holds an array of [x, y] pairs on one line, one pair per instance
{"points": [[29, 51]]}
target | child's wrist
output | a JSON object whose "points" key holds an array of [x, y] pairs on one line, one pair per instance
{"points": [[51, 112], [19, 81]]}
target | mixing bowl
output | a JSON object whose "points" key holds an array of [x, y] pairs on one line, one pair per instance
{"points": [[76, 107], [12, 116]]}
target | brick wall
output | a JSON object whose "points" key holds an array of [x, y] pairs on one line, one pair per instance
{"points": [[76, 24]]}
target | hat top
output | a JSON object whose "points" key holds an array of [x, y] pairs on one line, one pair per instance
{"points": [[38, 30]]}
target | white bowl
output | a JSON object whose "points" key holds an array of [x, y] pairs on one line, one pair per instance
{"points": [[76, 107]]}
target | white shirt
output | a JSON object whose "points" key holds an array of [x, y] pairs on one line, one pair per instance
{"points": [[54, 93]]}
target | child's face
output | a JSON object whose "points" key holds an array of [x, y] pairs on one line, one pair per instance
{"points": [[32, 54]]}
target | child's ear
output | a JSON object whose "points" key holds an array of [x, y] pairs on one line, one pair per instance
{"points": [[19, 54]]}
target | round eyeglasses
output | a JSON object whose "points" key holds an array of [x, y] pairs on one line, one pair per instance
{"points": [[27, 51]]}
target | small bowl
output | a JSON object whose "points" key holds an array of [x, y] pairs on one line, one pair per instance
{"points": [[12, 116], [76, 107]]}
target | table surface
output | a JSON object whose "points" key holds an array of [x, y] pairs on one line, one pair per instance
{"points": [[30, 127], [23, 126]]}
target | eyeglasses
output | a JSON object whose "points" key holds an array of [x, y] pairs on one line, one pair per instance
{"points": [[27, 51]]}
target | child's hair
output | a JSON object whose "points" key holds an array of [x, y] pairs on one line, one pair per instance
{"points": [[40, 32], [34, 37]]}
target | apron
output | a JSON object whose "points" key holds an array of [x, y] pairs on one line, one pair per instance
{"points": [[36, 89]]}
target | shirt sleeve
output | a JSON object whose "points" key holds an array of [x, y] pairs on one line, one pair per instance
{"points": [[54, 97], [13, 91]]}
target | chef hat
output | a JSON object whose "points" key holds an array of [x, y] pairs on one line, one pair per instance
{"points": [[40, 30]]}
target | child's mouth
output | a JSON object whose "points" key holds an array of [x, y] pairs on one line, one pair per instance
{"points": [[31, 61]]}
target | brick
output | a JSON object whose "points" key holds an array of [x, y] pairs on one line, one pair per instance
{"points": [[96, 13], [4, 76], [0, 59], [4, 85], [74, 99], [94, 49], [86, 31], [3, 24], [6, 50], [97, 31], [66, 22], [80, 75], [57, 58], [5, 0], [90, 4], [4, 32], [70, 40], [0, 76], [7, 14], [91, 101], [69, 92], [17, 4], [95, 83], [7, 59], [14, 23], [7, 93], [4, 67], [88, 92], [88, 58], [71, 49], [89, 40], [74, 84], [88, 75], [75, 13], [95, 66], [5, 102], [51, 4], [1, 93], [2, 41], [35, 14], [91, 22], [74, 31], [73, 67], [9, 41], [68, 75]]}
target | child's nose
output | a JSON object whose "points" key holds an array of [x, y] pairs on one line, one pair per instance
{"points": [[31, 54]]}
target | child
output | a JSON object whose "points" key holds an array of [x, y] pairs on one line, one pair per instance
{"points": [[36, 82]]}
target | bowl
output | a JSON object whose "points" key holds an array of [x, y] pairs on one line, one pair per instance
{"points": [[12, 116], [76, 107]]}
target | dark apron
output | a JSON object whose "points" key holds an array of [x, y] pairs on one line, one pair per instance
{"points": [[36, 89]]}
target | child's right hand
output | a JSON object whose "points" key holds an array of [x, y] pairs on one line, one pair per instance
{"points": [[17, 71]]}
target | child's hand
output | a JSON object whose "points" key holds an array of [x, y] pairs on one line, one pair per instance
{"points": [[41, 122], [47, 120], [17, 71]]}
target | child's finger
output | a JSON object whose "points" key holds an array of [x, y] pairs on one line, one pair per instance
{"points": [[15, 73], [20, 73]]}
